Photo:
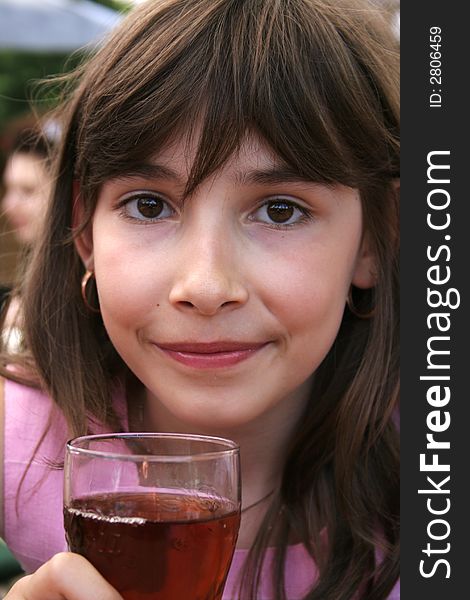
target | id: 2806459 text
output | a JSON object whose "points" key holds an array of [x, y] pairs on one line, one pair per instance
{"points": [[435, 67]]}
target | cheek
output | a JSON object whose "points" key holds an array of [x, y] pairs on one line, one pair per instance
{"points": [[131, 284], [37, 206], [308, 290], [308, 301]]}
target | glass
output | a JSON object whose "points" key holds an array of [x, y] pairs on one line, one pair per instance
{"points": [[157, 514]]}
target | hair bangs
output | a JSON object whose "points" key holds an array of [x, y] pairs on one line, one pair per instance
{"points": [[238, 67]]}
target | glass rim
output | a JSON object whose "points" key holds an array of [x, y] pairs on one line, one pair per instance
{"points": [[231, 447]]}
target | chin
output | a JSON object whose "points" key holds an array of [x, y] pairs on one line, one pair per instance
{"points": [[214, 420]]}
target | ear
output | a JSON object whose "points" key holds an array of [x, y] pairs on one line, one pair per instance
{"points": [[365, 273], [84, 240]]}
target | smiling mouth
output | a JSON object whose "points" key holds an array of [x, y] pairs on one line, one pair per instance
{"points": [[214, 355]]}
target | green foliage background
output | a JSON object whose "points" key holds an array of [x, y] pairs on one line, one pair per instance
{"points": [[20, 73]]}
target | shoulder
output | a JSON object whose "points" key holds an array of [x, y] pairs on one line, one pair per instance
{"points": [[34, 435], [24, 405], [31, 422]]}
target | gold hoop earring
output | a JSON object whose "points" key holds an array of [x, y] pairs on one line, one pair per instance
{"points": [[86, 278], [353, 309]]}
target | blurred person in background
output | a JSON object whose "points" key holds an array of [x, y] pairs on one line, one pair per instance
{"points": [[26, 186]]}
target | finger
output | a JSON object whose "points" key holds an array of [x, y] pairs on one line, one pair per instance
{"points": [[66, 576]]}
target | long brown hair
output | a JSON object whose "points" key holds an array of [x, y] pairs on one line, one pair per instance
{"points": [[318, 81]]}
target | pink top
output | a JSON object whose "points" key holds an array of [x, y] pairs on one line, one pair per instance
{"points": [[34, 526]]}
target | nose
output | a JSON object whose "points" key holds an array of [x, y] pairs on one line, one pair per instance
{"points": [[208, 277]]}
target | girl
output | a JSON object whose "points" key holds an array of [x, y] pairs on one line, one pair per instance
{"points": [[221, 257]]}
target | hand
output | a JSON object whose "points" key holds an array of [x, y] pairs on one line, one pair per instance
{"points": [[66, 576]]}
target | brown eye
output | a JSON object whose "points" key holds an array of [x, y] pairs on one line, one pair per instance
{"points": [[280, 212], [150, 208], [146, 207]]}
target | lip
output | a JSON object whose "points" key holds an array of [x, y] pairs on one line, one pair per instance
{"points": [[211, 355]]}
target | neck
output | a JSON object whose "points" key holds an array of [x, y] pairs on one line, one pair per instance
{"points": [[263, 446]]}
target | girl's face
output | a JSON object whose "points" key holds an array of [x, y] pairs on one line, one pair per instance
{"points": [[225, 303]]}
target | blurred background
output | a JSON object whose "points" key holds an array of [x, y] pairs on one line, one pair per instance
{"points": [[38, 39]]}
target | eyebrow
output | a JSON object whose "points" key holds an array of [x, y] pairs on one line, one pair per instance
{"points": [[151, 171], [272, 175], [269, 176]]}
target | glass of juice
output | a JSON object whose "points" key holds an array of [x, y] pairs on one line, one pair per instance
{"points": [[157, 514]]}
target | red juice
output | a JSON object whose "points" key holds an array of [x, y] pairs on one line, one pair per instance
{"points": [[161, 546]]}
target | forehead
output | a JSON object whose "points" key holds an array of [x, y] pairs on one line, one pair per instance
{"points": [[252, 162], [22, 166], [253, 153]]}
